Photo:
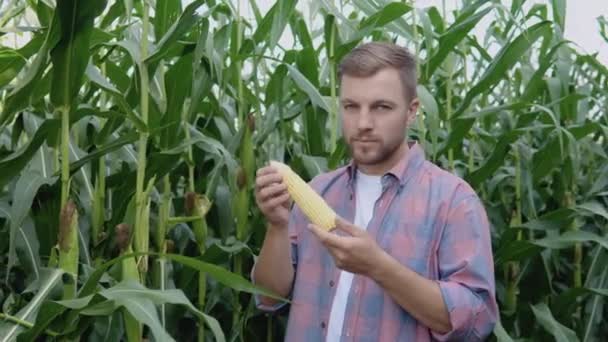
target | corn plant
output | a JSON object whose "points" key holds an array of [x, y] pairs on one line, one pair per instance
{"points": [[130, 132]]}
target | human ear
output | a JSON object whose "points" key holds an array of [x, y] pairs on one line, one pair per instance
{"points": [[412, 109]]}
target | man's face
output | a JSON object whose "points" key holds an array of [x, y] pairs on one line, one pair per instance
{"points": [[375, 116]]}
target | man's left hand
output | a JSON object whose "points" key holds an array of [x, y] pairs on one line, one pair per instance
{"points": [[356, 253]]}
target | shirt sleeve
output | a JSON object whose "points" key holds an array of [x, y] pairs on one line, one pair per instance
{"points": [[293, 222], [466, 271]]}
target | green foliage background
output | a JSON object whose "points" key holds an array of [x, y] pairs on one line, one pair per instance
{"points": [[156, 115]]}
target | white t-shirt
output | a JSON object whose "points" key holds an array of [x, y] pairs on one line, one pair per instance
{"points": [[368, 190]]}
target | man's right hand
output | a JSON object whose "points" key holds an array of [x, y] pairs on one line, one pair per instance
{"points": [[272, 197]]}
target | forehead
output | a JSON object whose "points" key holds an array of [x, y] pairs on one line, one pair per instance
{"points": [[384, 84]]}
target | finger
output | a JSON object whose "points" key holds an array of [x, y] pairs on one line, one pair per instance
{"points": [[287, 204], [271, 191], [265, 170], [278, 201], [347, 227], [328, 239], [263, 181]]}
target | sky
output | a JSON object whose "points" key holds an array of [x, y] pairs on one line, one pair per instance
{"points": [[581, 20], [581, 24]]}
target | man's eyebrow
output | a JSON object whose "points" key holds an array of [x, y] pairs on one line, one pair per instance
{"points": [[383, 101], [374, 103]]}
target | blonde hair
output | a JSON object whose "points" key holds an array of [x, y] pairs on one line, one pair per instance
{"points": [[369, 58]]}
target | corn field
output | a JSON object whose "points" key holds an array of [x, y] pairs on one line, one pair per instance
{"points": [[131, 131]]}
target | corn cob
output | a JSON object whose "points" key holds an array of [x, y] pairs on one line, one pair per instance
{"points": [[309, 201], [198, 205]]}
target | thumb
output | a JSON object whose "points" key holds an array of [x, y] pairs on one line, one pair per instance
{"points": [[347, 227]]}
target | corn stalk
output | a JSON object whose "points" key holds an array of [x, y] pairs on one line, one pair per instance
{"points": [[197, 207], [161, 243], [141, 234], [129, 271], [68, 247], [516, 220], [332, 86]]}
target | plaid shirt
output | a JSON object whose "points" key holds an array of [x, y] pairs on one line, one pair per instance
{"points": [[430, 221]]}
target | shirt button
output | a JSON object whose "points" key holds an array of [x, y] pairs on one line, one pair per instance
{"points": [[322, 325], [331, 283]]}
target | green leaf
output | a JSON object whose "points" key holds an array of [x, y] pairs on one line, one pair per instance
{"points": [[97, 78], [186, 21], [28, 185], [386, 15], [495, 160], [104, 150], [46, 283], [299, 28], [280, 19], [537, 81], [545, 318], [559, 12], [306, 86], [548, 157], [450, 40], [48, 311], [431, 109], [19, 97], [166, 12], [501, 334], [211, 146], [515, 251], [145, 312], [11, 63], [16, 162], [570, 238], [595, 208], [223, 276], [71, 54], [178, 82], [135, 291], [273, 24], [135, 297], [504, 61]]}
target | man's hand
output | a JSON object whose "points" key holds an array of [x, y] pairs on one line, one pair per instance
{"points": [[356, 253], [272, 197], [360, 254]]}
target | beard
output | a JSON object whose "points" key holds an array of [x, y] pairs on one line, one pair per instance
{"points": [[372, 151]]}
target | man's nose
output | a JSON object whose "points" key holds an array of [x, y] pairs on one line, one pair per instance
{"points": [[365, 120]]}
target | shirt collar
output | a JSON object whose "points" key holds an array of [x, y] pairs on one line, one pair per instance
{"points": [[408, 165]]}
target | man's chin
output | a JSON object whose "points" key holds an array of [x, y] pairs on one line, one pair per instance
{"points": [[366, 160]]}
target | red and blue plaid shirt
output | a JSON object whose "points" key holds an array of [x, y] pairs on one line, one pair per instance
{"points": [[430, 221]]}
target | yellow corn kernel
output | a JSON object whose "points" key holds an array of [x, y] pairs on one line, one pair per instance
{"points": [[309, 201]]}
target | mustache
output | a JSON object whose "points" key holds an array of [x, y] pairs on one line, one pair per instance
{"points": [[364, 138]]}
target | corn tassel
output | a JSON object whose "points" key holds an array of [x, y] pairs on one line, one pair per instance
{"points": [[68, 247], [309, 201]]}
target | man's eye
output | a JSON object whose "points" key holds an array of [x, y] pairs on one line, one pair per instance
{"points": [[383, 107]]}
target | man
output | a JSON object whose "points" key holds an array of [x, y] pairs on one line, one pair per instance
{"points": [[415, 264]]}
